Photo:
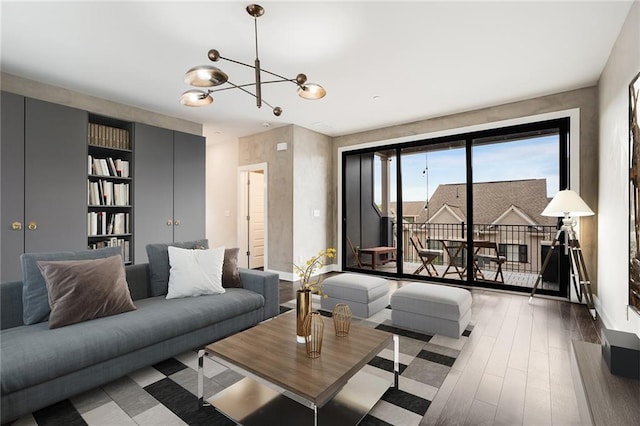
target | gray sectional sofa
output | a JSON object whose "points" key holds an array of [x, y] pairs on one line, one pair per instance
{"points": [[40, 366]]}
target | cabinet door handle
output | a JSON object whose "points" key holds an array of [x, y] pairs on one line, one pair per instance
{"points": [[177, 222], [32, 226], [169, 222], [16, 226]]}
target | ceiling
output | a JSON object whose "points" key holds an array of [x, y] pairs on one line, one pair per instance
{"points": [[382, 63]]}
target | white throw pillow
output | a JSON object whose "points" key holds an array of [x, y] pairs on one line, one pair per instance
{"points": [[195, 272]]}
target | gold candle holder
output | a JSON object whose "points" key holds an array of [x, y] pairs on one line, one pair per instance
{"points": [[341, 319], [314, 329], [303, 308]]}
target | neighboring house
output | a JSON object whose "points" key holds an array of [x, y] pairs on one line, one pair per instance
{"points": [[512, 202], [507, 212], [411, 210]]}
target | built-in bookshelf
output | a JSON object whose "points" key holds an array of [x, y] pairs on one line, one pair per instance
{"points": [[109, 185]]}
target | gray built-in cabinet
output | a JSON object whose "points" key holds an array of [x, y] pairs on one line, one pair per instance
{"points": [[44, 175], [44, 163], [169, 191]]}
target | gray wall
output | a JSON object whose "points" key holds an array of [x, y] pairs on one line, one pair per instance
{"points": [[299, 185], [261, 148], [37, 90], [312, 193], [585, 99]]}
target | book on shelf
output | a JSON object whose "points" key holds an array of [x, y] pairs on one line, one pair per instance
{"points": [[104, 167], [121, 194], [112, 167], [110, 137], [107, 193], [108, 167], [104, 223], [122, 167], [114, 242]]}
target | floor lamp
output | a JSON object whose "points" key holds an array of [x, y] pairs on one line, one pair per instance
{"points": [[568, 205]]}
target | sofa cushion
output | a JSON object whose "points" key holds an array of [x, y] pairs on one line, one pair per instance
{"points": [[195, 272], [81, 290], [35, 300], [34, 354], [158, 257], [230, 271]]}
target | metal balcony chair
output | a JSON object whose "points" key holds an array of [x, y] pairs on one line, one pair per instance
{"points": [[490, 256], [427, 256]]}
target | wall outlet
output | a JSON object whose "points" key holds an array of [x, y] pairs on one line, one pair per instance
{"points": [[316, 213], [282, 146], [227, 213]]}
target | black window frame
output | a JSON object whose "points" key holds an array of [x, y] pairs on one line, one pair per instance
{"points": [[561, 125]]}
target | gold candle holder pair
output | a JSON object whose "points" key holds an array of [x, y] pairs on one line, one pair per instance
{"points": [[313, 328]]}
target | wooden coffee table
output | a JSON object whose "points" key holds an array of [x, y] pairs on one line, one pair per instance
{"points": [[315, 390]]}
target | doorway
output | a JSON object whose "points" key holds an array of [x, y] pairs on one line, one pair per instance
{"points": [[252, 216]]}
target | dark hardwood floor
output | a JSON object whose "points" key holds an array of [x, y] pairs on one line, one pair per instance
{"points": [[515, 367]]}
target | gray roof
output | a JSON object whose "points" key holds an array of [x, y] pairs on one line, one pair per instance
{"points": [[409, 208], [492, 199]]}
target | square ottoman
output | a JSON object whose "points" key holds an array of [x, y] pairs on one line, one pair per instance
{"points": [[431, 309], [365, 294]]}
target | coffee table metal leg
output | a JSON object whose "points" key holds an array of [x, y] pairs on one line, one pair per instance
{"points": [[396, 361], [315, 415], [201, 402]]}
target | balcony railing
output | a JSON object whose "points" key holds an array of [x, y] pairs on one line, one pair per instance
{"points": [[522, 245]]}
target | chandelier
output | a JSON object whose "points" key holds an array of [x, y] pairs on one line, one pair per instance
{"points": [[210, 76]]}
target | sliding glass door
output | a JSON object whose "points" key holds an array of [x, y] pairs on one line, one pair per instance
{"points": [[464, 208], [514, 177], [434, 208]]}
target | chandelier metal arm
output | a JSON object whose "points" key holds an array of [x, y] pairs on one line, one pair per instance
{"points": [[242, 87], [237, 86], [293, 80]]}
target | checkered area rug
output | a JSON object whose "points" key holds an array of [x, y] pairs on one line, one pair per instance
{"points": [[165, 393]]}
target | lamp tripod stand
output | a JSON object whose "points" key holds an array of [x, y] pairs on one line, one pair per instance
{"points": [[579, 274]]}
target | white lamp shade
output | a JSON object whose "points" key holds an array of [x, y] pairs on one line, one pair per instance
{"points": [[567, 203]]}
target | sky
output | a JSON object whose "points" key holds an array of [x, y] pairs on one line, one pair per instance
{"points": [[534, 158]]}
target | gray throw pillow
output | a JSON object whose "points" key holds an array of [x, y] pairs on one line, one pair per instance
{"points": [[230, 272], [158, 256], [35, 303], [81, 290]]}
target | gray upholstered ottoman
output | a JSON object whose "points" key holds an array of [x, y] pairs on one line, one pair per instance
{"points": [[365, 294], [431, 309]]}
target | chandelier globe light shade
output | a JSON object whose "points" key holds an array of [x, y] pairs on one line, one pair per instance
{"points": [[567, 203], [210, 76], [205, 76], [195, 98], [311, 91]]}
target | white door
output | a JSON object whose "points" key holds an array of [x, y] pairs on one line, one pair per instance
{"points": [[255, 219]]}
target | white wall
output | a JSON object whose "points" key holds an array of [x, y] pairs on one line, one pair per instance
{"points": [[613, 218], [222, 198]]}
